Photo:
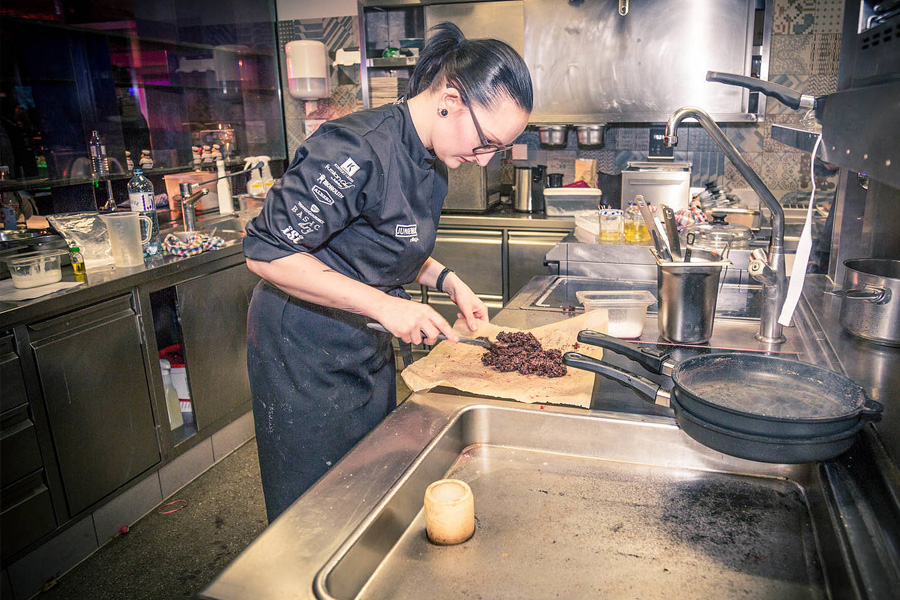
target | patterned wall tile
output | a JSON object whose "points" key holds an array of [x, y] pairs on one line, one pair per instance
{"points": [[733, 179], [633, 138], [829, 16], [746, 138], [706, 167], [819, 85], [793, 16], [825, 54], [780, 170], [698, 140], [790, 55], [606, 161]]}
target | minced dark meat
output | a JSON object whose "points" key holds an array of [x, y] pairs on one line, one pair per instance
{"points": [[523, 352]]}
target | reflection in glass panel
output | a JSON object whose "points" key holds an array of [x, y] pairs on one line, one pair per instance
{"points": [[154, 80]]}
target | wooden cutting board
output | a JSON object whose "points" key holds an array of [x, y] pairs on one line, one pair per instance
{"points": [[459, 365]]}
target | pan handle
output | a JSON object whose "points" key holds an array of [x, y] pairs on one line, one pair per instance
{"points": [[871, 409], [875, 295], [785, 95], [641, 385], [653, 360]]}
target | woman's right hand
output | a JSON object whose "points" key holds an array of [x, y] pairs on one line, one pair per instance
{"points": [[413, 322]]}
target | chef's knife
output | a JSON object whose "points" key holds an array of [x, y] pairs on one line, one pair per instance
{"points": [[475, 342]]}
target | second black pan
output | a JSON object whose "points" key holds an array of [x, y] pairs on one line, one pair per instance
{"points": [[760, 447], [752, 393]]}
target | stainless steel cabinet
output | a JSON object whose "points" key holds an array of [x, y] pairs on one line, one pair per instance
{"points": [[26, 510], [212, 313], [475, 255], [95, 391], [448, 310], [527, 250]]}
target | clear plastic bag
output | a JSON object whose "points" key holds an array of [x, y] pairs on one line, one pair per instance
{"points": [[87, 231]]}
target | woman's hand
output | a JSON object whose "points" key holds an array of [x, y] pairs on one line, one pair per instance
{"points": [[413, 322], [471, 307]]}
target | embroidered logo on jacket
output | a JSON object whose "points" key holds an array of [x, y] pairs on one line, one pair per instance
{"points": [[407, 231], [322, 195], [349, 167], [339, 181], [325, 183]]}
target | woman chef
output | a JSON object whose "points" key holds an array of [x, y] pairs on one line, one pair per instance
{"points": [[351, 222]]}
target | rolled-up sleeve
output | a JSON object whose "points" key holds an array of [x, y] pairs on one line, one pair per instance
{"points": [[334, 176]]}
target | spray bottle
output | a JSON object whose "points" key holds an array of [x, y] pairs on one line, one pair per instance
{"points": [[223, 189], [255, 186], [266, 173]]}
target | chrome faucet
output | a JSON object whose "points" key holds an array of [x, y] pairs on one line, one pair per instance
{"points": [[768, 269], [188, 208]]}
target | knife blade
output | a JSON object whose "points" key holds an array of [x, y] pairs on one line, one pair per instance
{"points": [[465, 340]]}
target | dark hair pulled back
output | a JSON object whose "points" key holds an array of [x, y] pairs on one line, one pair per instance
{"points": [[484, 70]]}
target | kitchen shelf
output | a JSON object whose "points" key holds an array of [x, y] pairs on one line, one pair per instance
{"points": [[392, 63], [14, 185], [178, 86], [126, 37]]}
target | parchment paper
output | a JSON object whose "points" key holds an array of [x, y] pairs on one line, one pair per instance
{"points": [[459, 365]]}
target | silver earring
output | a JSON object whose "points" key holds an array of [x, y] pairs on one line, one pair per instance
{"points": [[443, 112]]}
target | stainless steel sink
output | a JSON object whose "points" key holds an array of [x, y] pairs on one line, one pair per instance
{"points": [[591, 505]]}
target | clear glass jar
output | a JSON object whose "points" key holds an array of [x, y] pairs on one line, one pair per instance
{"points": [[612, 222], [635, 230]]}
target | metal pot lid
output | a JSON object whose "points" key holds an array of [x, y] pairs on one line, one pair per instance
{"points": [[718, 232], [772, 388]]}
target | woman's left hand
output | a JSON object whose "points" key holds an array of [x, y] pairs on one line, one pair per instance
{"points": [[471, 308]]}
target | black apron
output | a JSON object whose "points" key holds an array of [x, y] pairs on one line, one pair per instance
{"points": [[321, 380]]}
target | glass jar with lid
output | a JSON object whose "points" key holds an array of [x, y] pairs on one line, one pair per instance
{"points": [[611, 225], [635, 229], [716, 234]]}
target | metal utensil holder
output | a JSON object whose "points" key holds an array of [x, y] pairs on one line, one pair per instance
{"points": [[687, 298]]}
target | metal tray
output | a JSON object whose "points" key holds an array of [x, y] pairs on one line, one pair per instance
{"points": [[586, 506]]}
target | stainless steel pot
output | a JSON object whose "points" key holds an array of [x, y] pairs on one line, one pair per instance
{"points": [[590, 135], [870, 308], [553, 135]]}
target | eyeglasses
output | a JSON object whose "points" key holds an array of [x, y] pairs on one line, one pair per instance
{"points": [[485, 147]]}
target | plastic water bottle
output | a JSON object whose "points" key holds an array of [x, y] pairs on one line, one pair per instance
{"points": [[99, 160], [140, 196]]}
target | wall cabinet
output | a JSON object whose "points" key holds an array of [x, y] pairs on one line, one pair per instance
{"points": [[94, 386]]}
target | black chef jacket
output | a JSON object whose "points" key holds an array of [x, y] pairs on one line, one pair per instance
{"points": [[362, 196]]}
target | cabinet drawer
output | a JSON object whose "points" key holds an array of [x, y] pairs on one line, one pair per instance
{"points": [[19, 451], [26, 514], [12, 383]]}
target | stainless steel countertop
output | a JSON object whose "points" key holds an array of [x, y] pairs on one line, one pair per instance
{"points": [[505, 217], [284, 560], [109, 282]]}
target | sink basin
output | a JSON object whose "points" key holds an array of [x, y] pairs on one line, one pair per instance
{"points": [[569, 505]]}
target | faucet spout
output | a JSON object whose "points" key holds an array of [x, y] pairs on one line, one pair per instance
{"points": [[188, 208], [770, 331]]}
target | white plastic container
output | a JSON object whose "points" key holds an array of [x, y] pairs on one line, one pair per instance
{"points": [[565, 202], [627, 310], [34, 269], [307, 69]]}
